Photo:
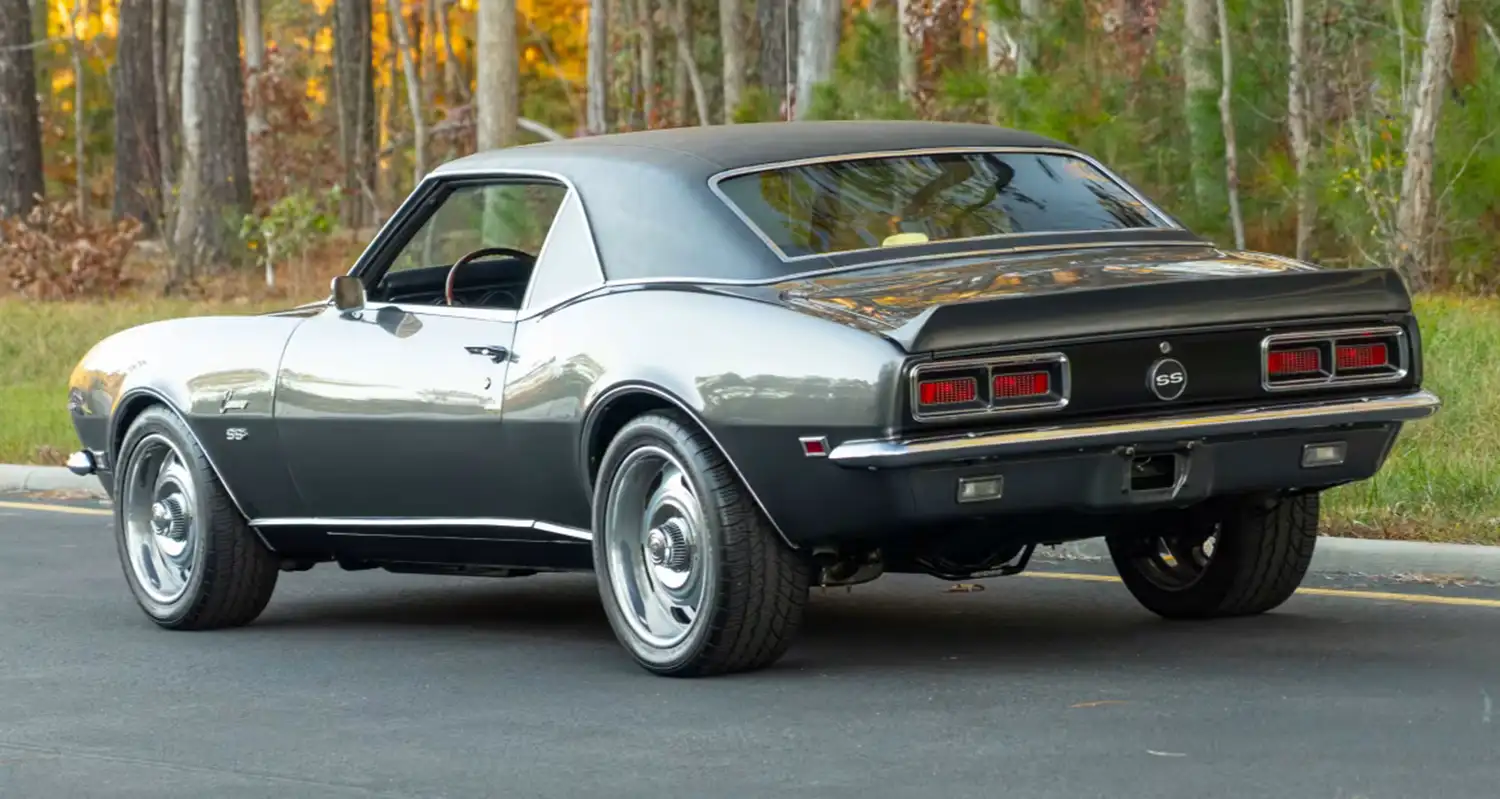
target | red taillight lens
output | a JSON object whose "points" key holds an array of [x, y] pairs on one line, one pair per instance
{"points": [[1363, 356], [948, 392], [1294, 362], [1026, 384]]}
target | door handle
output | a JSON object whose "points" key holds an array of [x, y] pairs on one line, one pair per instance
{"points": [[495, 353]]}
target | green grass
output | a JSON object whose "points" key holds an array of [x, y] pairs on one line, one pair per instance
{"points": [[39, 345], [1442, 481]]}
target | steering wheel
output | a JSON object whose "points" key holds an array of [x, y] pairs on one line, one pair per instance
{"points": [[483, 252]]}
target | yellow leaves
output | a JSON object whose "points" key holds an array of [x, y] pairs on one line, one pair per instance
{"points": [[323, 43], [317, 91]]}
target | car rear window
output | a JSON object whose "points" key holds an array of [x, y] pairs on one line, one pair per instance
{"points": [[837, 206]]}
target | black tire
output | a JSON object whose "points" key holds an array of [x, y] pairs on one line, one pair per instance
{"points": [[1260, 556], [233, 574], [755, 587]]}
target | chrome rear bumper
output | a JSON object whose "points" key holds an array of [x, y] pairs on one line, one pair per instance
{"points": [[1284, 418]]}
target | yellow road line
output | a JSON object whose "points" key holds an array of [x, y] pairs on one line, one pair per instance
{"points": [[1388, 596], [1344, 593], [57, 508]]}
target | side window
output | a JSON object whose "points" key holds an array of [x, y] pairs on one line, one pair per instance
{"points": [[510, 214]]}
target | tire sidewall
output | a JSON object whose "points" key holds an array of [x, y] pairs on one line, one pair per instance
{"points": [[654, 430], [166, 424]]}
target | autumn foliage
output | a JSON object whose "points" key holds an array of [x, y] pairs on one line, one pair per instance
{"points": [[55, 254]]}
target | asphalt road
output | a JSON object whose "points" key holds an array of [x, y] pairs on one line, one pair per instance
{"points": [[371, 684]]}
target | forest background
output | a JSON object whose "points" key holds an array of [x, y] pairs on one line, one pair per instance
{"points": [[161, 158]]}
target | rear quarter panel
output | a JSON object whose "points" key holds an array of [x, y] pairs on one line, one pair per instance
{"points": [[757, 376], [192, 365]]}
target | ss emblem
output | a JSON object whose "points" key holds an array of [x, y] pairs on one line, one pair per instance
{"points": [[1167, 379], [236, 433]]}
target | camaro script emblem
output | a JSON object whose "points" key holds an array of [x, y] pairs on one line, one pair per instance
{"points": [[1167, 379]]}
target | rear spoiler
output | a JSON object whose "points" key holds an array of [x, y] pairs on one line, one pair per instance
{"points": [[1145, 307]]}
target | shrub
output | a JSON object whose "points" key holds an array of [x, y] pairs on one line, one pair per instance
{"points": [[55, 254]]}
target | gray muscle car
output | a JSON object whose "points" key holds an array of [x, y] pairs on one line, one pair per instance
{"points": [[719, 366]]}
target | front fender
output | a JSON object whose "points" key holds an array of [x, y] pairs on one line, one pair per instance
{"points": [[216, 372]]}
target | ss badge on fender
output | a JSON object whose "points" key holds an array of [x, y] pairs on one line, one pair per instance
{"points": [[1167, 379], [236, 433]]}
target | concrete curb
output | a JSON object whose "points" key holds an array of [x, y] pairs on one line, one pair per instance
{"points": [[1356, 556], [48, 478], [1333, 555]]}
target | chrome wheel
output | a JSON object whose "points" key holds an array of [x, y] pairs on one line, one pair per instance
{"points": [[1177, 562], [162, 533], [655, 542]]}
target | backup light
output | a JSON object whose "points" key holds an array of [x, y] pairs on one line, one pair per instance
{"points": [[1329, 454], [981, 489]]}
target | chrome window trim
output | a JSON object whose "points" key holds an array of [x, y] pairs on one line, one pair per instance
{"points": [[895, 452], [990, 365], [1168, 223], [424, 521], [1330, 337]]}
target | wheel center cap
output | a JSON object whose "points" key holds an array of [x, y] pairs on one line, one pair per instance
{"points": [[168, 519], [667, 546]]}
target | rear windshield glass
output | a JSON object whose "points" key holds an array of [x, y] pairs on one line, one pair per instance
{"points": [[838, 206]]}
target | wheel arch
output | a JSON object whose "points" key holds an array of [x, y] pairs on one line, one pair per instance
{"points": [[136, 402], [615, 407]]}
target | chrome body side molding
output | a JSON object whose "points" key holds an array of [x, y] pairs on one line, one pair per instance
{"points": [[1289, 418], [373, 523]]}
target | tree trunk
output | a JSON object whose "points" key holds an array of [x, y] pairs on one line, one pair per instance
{"points": [[1296, 117], [1414, 213], [647, 22], [20, 132], [1226, 116], [255, 64], [732, 43], [907, 48], [354, 87], [817, 48], [413, 93], [497, 67], [686, 60], [777, 42], [453, 74], [1029, 43], [428, 46], [1197, 69], [216, 171], [80, 124], [166, 114], [597, 121], [137, 176]]}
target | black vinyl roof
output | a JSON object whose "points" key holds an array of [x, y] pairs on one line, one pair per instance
{"points": [[647, 193]]}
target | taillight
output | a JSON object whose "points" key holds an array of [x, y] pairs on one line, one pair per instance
{"points": [[942, 389], [1334, 358], [949, 392], [1026, 384], [1363, 356], [1304, 361]]}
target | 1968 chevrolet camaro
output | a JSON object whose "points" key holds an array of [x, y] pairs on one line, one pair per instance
{"points": [[721, 365]]}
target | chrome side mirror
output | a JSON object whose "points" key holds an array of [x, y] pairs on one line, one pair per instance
{"points": [[348, 293]]}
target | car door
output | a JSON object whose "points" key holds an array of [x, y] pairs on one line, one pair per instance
{"points": [[393, 411]]}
